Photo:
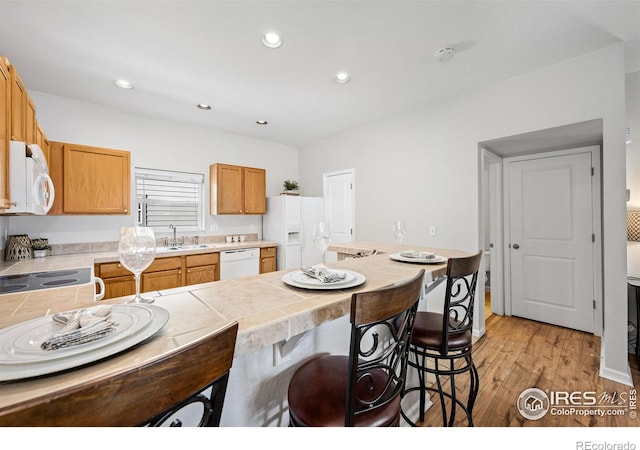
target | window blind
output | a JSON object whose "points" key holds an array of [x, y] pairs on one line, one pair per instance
{"points": [[167, 197]]}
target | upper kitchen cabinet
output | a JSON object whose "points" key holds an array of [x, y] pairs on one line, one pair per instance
{"points": [[5, 132], [18, 117], [237, 189], [89, 180]]}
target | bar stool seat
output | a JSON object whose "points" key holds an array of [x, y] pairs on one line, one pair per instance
{"points": [[328, 375], [364, 387]]}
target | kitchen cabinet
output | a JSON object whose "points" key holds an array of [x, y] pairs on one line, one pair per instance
{"points": [[237, 189], [5, 131], [18, 106], [118, 281], [163, 273], [202, 268], [267, 259], [89, 180], [30, 123]]}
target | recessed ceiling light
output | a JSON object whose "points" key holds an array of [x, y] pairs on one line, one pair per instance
{"points": [[272, 40], [204, 106], [444, 54], [342, 77], [124, 84], [262, 122]]}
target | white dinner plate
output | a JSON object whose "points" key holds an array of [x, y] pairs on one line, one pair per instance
{"points": [[436, 260], [302, 278], [21, 370], [21, 343], [355, 279]]}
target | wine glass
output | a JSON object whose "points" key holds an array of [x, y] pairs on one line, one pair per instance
{"points": [[322, 236], [137, 250], [399, 231]]}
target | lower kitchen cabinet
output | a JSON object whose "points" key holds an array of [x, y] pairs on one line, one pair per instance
{"points": [[119, 286], [163, 273], [165, 279], [267, 259], [202, 268]]}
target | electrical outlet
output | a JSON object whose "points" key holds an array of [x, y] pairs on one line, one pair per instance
{"points": [[432, 230], [213, 227]]}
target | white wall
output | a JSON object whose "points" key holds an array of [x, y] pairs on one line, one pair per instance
{"points": [[422, 166], [153, 144]]}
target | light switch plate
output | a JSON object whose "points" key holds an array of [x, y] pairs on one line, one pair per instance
{"points": [[432, 230]]}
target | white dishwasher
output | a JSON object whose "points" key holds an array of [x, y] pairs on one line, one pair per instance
{"points": [[239, 263]]}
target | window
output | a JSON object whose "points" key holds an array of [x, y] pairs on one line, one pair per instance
{"points": [[167, 197]]}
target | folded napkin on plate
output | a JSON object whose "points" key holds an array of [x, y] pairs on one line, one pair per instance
{"points": [[80, 327], [417, 254], [320, 272]]}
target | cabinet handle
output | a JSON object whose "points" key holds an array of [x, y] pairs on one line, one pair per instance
{"points": [[179, 271], [119, 266], [126, 210]]}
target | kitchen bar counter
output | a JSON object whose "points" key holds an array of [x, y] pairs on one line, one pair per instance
{"points": [[267, 310]]}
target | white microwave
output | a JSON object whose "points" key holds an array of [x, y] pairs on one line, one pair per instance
{"points": [[31, 189]]}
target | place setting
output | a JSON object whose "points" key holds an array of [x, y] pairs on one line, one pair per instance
{"points": [[412, 256], [319, 276]]}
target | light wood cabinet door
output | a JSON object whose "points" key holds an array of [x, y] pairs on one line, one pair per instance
{"points": [[119, 286], [30, 124], [237, 189], [255, 196], [226, 189], [18, 106], [5, 131], [89, 180], [166, 279], [267, 259], [201, 274]]}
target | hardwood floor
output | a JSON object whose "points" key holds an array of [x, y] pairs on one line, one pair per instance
{"points": [[516, 354]]}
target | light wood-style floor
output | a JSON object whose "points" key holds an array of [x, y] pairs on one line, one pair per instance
{"points": [[516, 354]]}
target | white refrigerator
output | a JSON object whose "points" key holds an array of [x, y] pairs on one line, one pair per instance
{"points": [[289, 222]]}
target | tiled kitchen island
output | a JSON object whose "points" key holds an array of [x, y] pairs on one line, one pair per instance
{"points": [[268, 311]]}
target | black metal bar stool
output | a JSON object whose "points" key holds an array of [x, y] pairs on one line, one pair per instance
{"points": [[634, 283], [441, 342], [363, 388]]}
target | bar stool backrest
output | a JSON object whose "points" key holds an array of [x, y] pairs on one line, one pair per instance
{"points": [[462, 275], [381, 326]]}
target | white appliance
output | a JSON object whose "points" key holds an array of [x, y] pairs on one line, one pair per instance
{"points": [[31, 188], [289, 223], [239, 263]]}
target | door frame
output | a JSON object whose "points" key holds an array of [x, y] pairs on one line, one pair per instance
{"points": [[493, 163], [598, 316]]}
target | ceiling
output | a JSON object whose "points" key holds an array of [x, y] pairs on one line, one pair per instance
{"points": [[181, 53]]}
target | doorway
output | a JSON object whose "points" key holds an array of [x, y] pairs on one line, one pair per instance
{"points": [[339, 202], [549, 240], [492, 211]]}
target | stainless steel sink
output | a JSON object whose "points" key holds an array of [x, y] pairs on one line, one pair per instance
{"points": [[183, 247]]}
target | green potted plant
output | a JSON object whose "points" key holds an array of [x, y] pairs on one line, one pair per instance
{"points": [[290, 187], [40, 248]]}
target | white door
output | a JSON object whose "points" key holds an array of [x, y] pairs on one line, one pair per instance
{"points": [[551, 239], [339, 206]]}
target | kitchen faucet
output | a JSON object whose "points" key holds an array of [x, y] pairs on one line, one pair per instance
{"points": [[174, 243]]}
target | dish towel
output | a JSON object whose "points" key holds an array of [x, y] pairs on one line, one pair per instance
{"points": [[320, 272], [80, 326]]}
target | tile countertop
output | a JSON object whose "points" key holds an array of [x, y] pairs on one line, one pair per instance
{"points": [[87, 259], [267, 310]]}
